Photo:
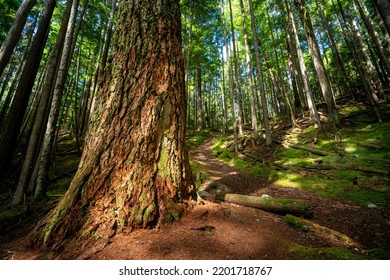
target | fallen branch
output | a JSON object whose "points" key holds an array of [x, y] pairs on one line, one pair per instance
{"points": [[299, 147], [275, 205]]}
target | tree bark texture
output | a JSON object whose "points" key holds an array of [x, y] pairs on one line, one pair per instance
{"points": [[134, 171]]}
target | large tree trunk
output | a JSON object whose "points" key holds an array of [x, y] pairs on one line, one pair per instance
{"points": [[14, 33], [134, 171]]}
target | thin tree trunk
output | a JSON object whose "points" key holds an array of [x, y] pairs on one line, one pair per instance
{"points": [[384, 30], [230, 76], [7, 78], [22, 94], [250, 79], [224, 104], [199, 111], [109, 34], [309, 95], [286, 106], [336, 54], [318, 63], [374, 38], [383, 7], [236, 72], [268, 139], [48, 141], [14, 33]]}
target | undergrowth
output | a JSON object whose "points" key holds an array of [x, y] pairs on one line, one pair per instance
{"points": [[355, 168]]}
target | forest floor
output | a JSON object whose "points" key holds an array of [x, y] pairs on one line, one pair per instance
{"points": [[347, 189]]}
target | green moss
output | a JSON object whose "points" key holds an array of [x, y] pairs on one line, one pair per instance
{"points": [[260, 171], [199, 171], [163, 161], [195, 138], [379, 254], [348, 172], [220, 143], [148, 211], [296, 223], [11, 213], [327, 253]]}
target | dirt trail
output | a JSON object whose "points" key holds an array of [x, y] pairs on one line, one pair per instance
{"points": [[236, 180], [218, 230]]}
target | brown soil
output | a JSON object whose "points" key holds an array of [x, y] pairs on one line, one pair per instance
{"points": [[219, 230]]}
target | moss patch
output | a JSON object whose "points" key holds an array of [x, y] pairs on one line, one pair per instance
{"points": [[348, 172], [296, 223], [195, 138], [379, 254], [327, 253]]}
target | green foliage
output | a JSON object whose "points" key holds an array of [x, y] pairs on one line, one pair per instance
{"points": [[8, 10]]}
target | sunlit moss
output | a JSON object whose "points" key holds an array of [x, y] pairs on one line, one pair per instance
{"points": [[195, 138]]}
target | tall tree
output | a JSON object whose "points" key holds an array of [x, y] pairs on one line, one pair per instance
{"points": [[236, 72], [14, 33], [383, 7], [59, 85], [303, 70], [249, 70], [268, 139], [230, 78], [41, 116], [14, 120], [134, 171], [315, 54]]}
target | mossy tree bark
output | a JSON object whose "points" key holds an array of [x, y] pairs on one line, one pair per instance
{"points": [[134, 171]]}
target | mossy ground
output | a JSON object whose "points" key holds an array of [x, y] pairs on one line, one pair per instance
{"points": [[326, 253], [356, 168]]}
